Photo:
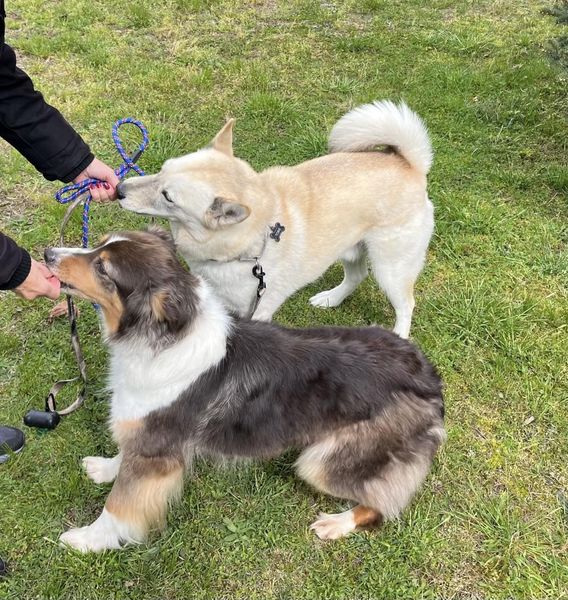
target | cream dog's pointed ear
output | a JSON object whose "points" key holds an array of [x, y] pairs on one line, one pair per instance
{"points": [[224, 212], [223, 141]]}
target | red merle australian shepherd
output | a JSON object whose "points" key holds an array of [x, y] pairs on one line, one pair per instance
{"points": [[363, 406]]}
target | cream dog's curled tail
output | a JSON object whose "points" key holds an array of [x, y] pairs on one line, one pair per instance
{"points": [[384, 123]]}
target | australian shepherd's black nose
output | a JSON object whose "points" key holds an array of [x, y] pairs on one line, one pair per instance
{"points": [[363, 406]]}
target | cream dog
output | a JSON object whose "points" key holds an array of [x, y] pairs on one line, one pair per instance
{"points": [[359, 202]]}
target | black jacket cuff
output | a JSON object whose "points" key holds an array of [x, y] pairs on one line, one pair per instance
{"points": [[20, 274], [79, 168]]}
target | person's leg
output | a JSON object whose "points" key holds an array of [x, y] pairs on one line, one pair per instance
{"points": [[11, 440]]}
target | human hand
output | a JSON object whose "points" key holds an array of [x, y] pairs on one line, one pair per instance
{"points": [[39, 282], [100, 192]]}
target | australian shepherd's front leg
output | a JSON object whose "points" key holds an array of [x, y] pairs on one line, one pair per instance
{"points": [[137, 504]]}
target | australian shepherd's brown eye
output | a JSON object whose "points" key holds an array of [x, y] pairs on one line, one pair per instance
{"points": [[167, 197]]}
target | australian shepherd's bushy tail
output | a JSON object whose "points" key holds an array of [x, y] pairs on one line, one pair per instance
{"points": [[384, 123]]}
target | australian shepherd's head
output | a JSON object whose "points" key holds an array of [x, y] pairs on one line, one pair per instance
{"points": [[136, 279]]}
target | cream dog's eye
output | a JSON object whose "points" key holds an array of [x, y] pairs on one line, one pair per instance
{"points": [[167, 197]]}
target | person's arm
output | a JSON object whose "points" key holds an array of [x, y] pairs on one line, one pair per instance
{"points": [[36, 129], [15, 263], [39, 131]]}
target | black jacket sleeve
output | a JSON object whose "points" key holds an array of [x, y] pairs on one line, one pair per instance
{"points": [[33, 127], [15, 263]]}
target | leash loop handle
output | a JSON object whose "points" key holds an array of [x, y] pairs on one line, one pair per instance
{"points": [[76, 191], [129, 163]]}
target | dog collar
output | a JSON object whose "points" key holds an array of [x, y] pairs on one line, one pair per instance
{"points": [[274, 233]]}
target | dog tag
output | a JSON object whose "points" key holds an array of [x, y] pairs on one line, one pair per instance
{"points": [[276, 231]]}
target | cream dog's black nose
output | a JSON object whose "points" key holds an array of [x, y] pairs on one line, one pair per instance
{"points": [[49, 255], [120, 191]]}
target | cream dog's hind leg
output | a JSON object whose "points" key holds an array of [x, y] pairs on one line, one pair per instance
{"points": [[355, 267], [397, 255]]}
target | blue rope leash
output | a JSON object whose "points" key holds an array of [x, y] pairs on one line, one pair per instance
{"points": [[72, 191]]}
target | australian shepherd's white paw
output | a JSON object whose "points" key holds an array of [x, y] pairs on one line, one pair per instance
{"points": [[106, 533], [100, 469], [334, 526], [88, 539]]}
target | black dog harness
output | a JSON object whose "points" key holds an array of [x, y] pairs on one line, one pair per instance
{"points": [[276, 231]]}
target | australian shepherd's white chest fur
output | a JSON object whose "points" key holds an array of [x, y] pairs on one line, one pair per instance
{"points": [[363, 406], [357, 204], [142, 380]]}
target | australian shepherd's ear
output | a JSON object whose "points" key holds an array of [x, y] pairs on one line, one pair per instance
{"points": [[161, 233], [162, 313], [163, 302], [171, 308]]}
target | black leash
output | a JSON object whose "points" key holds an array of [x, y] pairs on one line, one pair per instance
{"points": [[49, 417], [73, 195], [258, 272]]}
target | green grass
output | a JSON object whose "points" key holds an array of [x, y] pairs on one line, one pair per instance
{"points": [[492, 310], [558, 48]]}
